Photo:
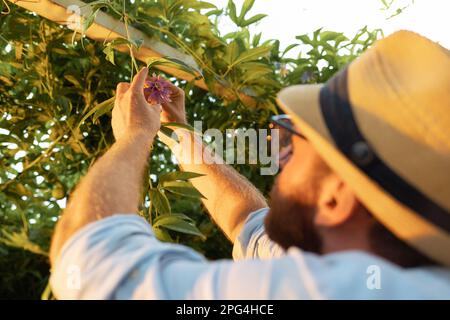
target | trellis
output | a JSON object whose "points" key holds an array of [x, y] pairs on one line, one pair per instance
{"points": [[106, 28]]}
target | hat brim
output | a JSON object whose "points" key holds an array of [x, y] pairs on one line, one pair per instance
{"points": [[302, 103]]}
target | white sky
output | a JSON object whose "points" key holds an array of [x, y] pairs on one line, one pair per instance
{"points": [[289, 18]]}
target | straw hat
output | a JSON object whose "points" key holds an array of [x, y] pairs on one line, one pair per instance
{"points": [[383, 124]]}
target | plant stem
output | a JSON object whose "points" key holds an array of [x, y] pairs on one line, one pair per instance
{"points": [[43, 155]]}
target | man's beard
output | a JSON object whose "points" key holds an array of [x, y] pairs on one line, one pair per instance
{"points": [[290, 222]]}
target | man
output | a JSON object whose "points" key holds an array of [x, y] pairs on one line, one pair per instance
{"points": [[361, 210]]}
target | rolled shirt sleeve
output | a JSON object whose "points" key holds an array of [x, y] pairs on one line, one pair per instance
{"points": [[119, 257], [253, 242]]}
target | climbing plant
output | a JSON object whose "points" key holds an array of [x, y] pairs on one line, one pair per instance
{"points": [[56, 88]]}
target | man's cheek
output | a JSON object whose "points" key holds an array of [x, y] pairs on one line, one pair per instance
{"points": [[287, 181]]}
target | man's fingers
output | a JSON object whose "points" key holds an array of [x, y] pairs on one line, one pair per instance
{"points": [[139, 80], [176, 91], [122, 87], [157, 107]]}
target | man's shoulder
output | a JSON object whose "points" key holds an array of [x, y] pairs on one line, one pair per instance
{"points": [[361, 275]]}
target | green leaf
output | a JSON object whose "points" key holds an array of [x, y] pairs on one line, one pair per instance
{"points": [[201, 5], [162, 235], [385, 3], [339, 39], [166, 129], [232, 53], [304, 39], [18, 50], [72, 80], [170, 133], [178, 125], [155, 12], [329, 35], [103, 108], [137, 43], [179, 224], [160, 201], [78, 147], [217, 12], [232, 11], [109, 53], [21, 240], [163, 217], [289, 48], [22, 190], [252, 20], [256, 39], [252, 54], [58, 191], [119, 42], [98, 108], [178, 175], [174, 63], [182, 188], [246, 7], [316, 34], [9, 139], [88, 21], [47, 293]]}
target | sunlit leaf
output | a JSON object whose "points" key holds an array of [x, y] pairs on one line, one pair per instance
{"points": [[329, 35], [170, 133], [103, 108], [20, 240], [109, 53], [99, 109], [289, 48], [178, 125], [252, 54], [88, 21], [253, 20], [160, 201], [178, 175], [177, 223], [182, 188], [162, 235], [172, 62], [232, 11], [246, 7]]}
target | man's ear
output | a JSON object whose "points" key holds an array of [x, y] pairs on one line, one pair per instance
{"points": [[337, 203]]}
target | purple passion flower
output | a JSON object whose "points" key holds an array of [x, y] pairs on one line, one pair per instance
{"points": [[157, 90]]}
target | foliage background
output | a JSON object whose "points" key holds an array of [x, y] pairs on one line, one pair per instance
{"points": [[53, 125]]}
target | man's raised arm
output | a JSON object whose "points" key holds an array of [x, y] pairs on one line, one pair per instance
{"points": [[113, 185], [230, 197]]}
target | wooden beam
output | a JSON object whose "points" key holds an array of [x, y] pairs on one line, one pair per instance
{"points": [[106, 28]]}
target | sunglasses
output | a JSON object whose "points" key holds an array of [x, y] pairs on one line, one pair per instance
{"points": [[287, 128]]}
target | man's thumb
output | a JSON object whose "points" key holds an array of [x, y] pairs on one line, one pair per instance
{"points": [[139, 80]]}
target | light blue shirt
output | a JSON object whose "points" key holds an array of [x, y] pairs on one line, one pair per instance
{"points": [[120, 258]]}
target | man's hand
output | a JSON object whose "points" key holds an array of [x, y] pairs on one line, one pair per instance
{"points": [[174, 111], [229, 197], [132, 115]]}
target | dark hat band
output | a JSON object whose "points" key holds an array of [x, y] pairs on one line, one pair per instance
{"points": [[338, 115]]}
